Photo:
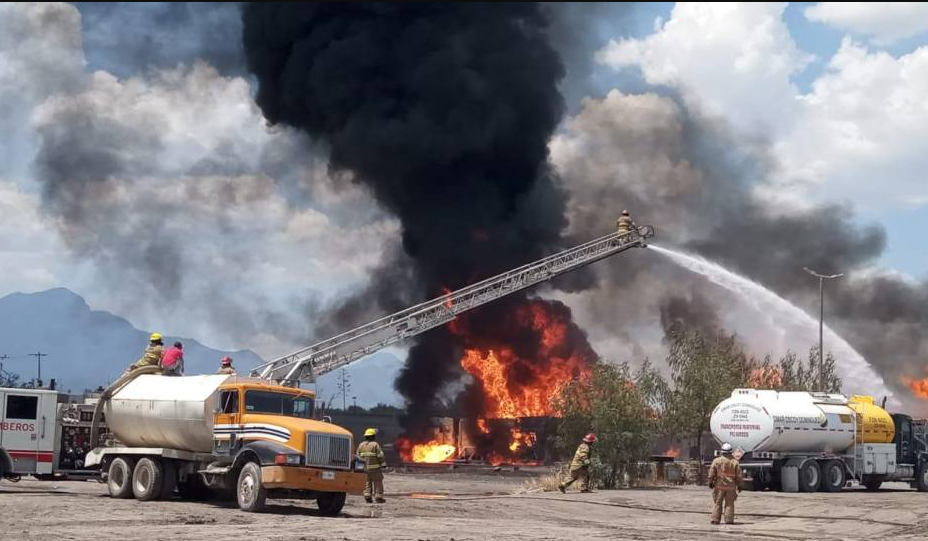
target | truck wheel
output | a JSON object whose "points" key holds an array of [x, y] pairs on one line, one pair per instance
{"points": [[250, 492], [921, 477], [810, 476], [873, 482], [119, 477], [833, 476], [147, 479], [168, 480], [331, 503]]}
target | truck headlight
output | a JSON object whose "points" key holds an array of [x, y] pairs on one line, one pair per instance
{"points": [[284, 459]]}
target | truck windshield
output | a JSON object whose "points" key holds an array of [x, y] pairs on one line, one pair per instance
{"points": [[278, 404]]}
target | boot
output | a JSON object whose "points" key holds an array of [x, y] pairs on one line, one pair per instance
{"points": [[562, 489], [368, 499], [381, 500]]}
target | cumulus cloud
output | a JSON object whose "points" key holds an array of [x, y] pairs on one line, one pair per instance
{"points": [[885, 22], [855, 137]]}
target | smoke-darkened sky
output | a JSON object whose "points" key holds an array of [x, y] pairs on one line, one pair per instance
{"points": [[147, 167]]}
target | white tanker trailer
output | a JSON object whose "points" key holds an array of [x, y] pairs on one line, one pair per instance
{"points": [[800, 441], [224, 432]]}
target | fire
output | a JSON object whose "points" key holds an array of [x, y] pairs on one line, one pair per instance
{"points": [[766, 377], [918, 386], [448, 302], [432, 452], [514, 386], [521, 440], [482, 426], [673, 452]]}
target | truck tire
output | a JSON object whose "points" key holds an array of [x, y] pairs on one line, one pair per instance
{"points": [[331, 503], [834, 476], [147, 479], [921, 477], [873, 482], [168, 479], [119, 477], [810, 476], [249, 492]]}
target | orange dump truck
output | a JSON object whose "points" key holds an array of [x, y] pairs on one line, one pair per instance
{"points": [[229, 433]]}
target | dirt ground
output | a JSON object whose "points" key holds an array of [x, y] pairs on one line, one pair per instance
{"points": [[464, 506]]}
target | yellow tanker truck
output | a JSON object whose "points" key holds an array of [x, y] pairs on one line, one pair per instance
{"points": [[806, 442]]}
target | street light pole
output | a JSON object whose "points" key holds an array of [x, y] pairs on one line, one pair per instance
{"points": [[821, 320]]}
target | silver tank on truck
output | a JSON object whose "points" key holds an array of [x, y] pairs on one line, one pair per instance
{"points": [[163, 411]]}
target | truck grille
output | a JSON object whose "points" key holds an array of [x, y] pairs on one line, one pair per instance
{"points": [[328, 451]]}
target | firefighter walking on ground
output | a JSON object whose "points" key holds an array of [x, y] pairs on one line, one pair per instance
{"points": [[725, 482], [372, 455], [225, 366], [153, 353], [580, 465]]}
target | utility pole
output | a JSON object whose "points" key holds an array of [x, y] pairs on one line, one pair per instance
{"points": [[2, 377], [821, 319], [344, 385], [39, 356]]}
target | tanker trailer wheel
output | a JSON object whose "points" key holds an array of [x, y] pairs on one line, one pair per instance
{"points": [[833, 476], [810, 476], [331, 503], [250, 493], [921, 477], [119, 477], [147, 479]]}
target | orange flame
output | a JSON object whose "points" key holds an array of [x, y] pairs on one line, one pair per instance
{"points": [[449, 303], [482, 426], [918, 386], [766, 377], [521, 439], [673, 452], [432, 452]]}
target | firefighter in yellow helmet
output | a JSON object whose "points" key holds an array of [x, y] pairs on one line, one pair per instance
{"points": [[370, 453], [580, 465], [624, 225], [153, 353], [725, 482]]}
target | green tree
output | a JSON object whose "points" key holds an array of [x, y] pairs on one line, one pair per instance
{"points": [[621, 408], [795, 375], [703, 373]]}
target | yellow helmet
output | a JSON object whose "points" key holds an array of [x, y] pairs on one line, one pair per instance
{"points": [[370, 432], [154, 336]]}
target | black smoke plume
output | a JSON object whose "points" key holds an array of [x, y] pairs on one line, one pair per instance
{"points": [[444, 112]]}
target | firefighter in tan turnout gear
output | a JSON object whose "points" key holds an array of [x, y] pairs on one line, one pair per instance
{"points": [[225, 366], [624, 224], [580, 465], [725, 482], [153, 353], [371, 454]]}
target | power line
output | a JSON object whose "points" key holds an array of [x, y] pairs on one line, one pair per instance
{"points": [[39, 356]]}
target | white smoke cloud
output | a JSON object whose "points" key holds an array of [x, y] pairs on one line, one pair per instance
{"points": [[181, 209]]}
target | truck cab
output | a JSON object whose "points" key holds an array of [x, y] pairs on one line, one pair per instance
{"points": [[28, 426]]}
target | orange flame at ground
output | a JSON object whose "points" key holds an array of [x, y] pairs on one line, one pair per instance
{"points": [[673, 452], [766, 377], [432, 452], [918, 386]]}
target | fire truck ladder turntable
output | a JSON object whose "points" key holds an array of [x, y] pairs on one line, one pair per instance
{"points": [[310, 362]]}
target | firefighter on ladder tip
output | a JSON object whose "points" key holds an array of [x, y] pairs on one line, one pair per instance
{"points": [[152, 355], [725, 482], [580, 465], [624, 225], [225, 366], [370, 453]]}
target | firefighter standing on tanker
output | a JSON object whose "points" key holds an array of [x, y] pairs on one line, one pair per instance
{"points": [[725, 482], [371, 454], [580, 465], [225, 366]]}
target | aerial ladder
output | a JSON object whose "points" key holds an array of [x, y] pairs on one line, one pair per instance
{"points": [[308, 363]]}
